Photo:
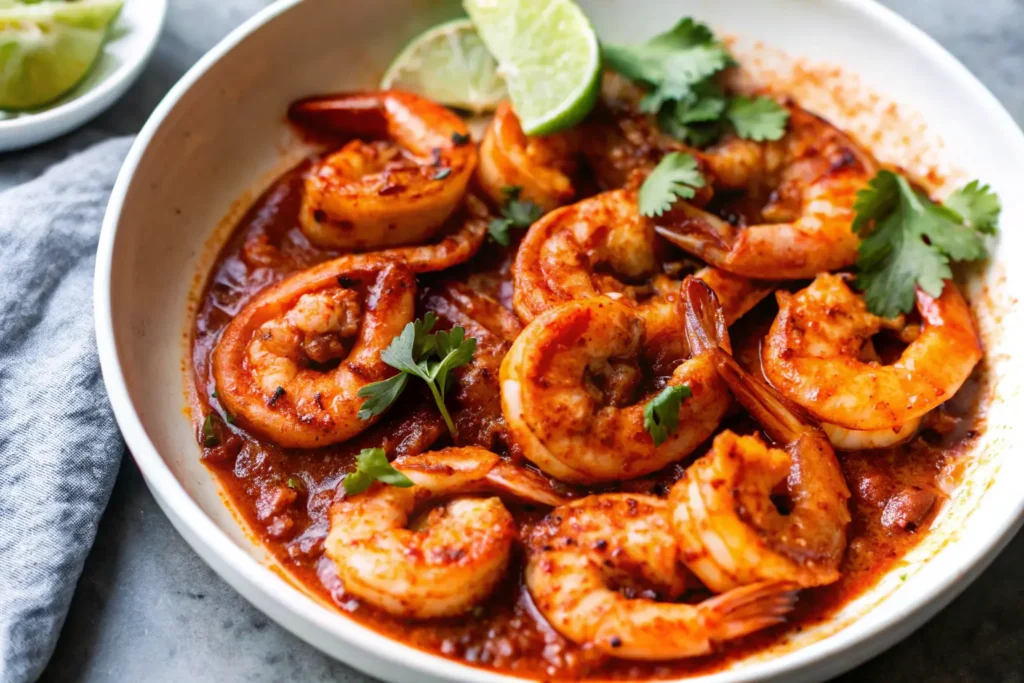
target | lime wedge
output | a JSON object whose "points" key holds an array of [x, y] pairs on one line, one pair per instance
{"points": [[96, 14], [548, 54], [46, 49], [449, 64]]}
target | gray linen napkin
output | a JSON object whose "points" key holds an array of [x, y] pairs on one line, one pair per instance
{"points": [[59, 445]]}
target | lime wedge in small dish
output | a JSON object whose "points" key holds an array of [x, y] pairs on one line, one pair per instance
{"points": [[548, 55], [47, 48], [449, 64]]}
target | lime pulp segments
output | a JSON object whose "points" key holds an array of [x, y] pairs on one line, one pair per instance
{"points": [[449, 64]]}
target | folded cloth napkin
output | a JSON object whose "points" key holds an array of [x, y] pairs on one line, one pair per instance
{"points": [[59, 445]]}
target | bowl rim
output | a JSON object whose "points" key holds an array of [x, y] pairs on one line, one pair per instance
{"points": [[34, 128], [831, 655]]}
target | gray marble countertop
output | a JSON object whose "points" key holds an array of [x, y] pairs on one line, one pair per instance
{"points": [[148, 609]]}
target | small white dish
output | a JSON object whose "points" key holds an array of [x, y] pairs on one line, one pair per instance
{"points": [[133, 38], [220, 136]]}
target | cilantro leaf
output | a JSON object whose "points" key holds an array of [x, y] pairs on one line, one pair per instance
{"points": [[498, 231], [418, 353], [661, 414], [209, 435], [675, 177], [679, 69], [912, 240], [685, 54], [522, 214], [978, 205], [372, 465], [697, 118], [515, 213], [758, 118]]}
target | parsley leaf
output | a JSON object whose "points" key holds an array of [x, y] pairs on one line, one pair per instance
{"points": [[675, 177], [418, 353], [516, 213], [758, 118], [372, 465], [912, 240], [380, 395], [661, 414]]}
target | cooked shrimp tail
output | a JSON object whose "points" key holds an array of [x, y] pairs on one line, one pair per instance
{"points": [[703, 318], [777, 417], [747, 609]]}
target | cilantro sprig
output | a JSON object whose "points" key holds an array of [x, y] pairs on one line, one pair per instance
{"points": [[908, 240], [515, 213], [676, 176], [372, 465], [418, 353], [680, 69], [661, 414]]}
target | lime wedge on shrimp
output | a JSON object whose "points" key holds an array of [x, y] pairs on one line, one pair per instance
{"points": [[548, 55]]}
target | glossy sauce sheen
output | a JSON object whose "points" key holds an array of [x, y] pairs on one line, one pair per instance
{"points": [[284, 494]]}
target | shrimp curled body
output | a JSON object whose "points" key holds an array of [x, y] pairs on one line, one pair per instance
{"points": [[727, 523], [602, 245], [445, 563], [568, 393], [815, 172], [813, 356], [584, 551], [291, 363], [541, 167], [398, 188]]}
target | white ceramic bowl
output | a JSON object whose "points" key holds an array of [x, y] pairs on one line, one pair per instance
{"points": [[220, 136], [133, 38]]}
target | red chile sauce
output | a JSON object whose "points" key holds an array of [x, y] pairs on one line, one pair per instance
{"points": [[284, 494]]}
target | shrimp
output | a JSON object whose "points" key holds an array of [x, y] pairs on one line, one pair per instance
{"points": [[291, 363], [725, 519], [602, 245], [443, 563], [605, 571], [542, 167], [819, 355], [570, 386], [289, 366], [385, 192], [815, 172]]}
